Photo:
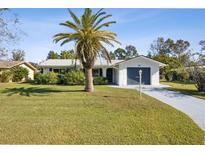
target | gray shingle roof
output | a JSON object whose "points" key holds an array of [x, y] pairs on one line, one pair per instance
{"points": [[71, 62], [99, 62], [9, 64]]}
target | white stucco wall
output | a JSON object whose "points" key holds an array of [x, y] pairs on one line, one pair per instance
{"points": [[138, 62], [45, 70], [30, 71], [116, 75]]}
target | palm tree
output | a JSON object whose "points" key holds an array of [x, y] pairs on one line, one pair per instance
{"points": [[89, 38]]}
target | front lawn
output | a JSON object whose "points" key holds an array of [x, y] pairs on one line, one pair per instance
{"points": [[33, 114], [185, 88]]}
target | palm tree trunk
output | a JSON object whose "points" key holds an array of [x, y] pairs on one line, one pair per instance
{"points": [[89, 80]]}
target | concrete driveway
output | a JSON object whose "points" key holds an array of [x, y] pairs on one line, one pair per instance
{"points": [[193, 107]]}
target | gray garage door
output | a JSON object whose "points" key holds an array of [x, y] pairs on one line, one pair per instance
{"points": [[133, 75]]}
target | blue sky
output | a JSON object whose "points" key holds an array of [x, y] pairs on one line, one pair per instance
{"points": [[138, 27]]}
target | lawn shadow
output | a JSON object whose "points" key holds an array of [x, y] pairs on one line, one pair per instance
{"points": [[35, 91]]}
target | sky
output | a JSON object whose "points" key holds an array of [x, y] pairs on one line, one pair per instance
{"points": [[138, 27]]}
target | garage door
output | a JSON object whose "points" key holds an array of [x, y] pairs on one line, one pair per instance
{"points": [[133, 75]]}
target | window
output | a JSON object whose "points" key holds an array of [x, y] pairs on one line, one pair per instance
{"points": [[50, 69], [56, 70], [96, 72], [62, 71], [41, 71]]}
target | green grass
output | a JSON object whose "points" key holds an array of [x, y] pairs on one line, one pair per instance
{"points": [[33, 114], [185, 88]]}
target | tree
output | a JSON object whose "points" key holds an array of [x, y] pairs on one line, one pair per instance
{"points": [[67, 54], [181, 52], [178, 49], [120, 54], [131, 51], [202, 43], [172, 63], [161, 46], [18, 55], [198, 75], [149, 54], [9, 31], [112, 56], [89, 37], [197, 71], [201, 54], [3, 52], [52, 55]]}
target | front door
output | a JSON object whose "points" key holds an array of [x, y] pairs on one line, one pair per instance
{"points": [[109, 75]]}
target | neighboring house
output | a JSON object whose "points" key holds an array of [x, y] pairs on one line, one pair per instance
{"points": [[7, 65], [121, 72]]}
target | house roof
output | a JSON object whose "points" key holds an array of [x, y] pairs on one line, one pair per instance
{"points": [[98, 62], [144, 57], [71, 62], [11, 64]]}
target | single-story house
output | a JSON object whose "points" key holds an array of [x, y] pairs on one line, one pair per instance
{"points": [[7, 65], [120, 72]]}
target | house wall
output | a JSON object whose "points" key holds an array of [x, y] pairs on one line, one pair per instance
{"points": [[45, 70], [138, 62], [116, 75], [30, 71]]}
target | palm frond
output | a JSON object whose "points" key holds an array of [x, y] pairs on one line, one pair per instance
{"points": [[105, 25], [74, 17], [101, 19], [70, 25]]}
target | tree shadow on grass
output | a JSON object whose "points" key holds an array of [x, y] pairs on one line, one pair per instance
{"points": [[34, 91]]}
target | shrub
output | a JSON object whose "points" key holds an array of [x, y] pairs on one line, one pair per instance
{"points": [[5, 76], [100, 81], [178, 75], [60, 78], [38, 78], [198, 75], [182, 75], [74, 77], [19, 73], [49, 78], [171, 76]]}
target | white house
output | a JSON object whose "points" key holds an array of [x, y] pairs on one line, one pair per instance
{"points": [[120, 72]]}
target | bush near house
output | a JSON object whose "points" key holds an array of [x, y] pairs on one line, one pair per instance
{"points": [[100, 81], [19, 73], [74, 77], [5, 76], [38, 78], [16, 74], [49, 78]]}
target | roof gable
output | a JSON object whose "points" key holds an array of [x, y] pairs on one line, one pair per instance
{"points": [[143, 57], [11, 64]]}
